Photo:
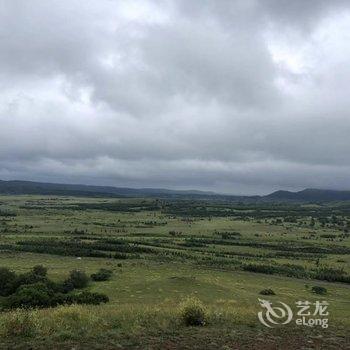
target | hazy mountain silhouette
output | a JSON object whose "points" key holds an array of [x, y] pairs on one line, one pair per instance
{"points": [[42, 188]]}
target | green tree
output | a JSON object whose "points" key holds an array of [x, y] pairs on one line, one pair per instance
{"points": [[7, 279], [78, 279]]}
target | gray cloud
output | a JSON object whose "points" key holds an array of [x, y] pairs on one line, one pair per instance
{"points": [[233, 96]]}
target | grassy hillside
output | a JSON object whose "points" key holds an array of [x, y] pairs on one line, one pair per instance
{"points": [[162, 252]]}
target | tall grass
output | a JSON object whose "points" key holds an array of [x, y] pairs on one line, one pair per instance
{"points": [[85, 321]]}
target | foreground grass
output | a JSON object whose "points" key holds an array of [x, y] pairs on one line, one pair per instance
{"points": [[96, 327], [143, 310], [152, 284]]}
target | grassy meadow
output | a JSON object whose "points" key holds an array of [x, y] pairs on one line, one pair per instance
{"points": [[164, 251]]}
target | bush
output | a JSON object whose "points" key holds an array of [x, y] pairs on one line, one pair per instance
{"points": [[90, 298], [20, 323], [192, 312], [39, 270], [25, 279], [30, 296], [102, 275], [331, 274], [289, 270], [66, 286], [267, 292], [7, 279], [268, 269], [61, 299], [319, 290], [34, 289], [78, 279], [120, 256]]}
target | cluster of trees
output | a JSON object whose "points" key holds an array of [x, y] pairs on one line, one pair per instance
{"points": [[175, 233], [321, 273], [192, 242], [154, 223], [6, 213], [105, 248], [102, 275], [35, 289], [335, 217], [290, 270], [228, 234], [132, 207], [331, 274]]}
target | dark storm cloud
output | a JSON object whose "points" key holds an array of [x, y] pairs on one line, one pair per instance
{"points": [[234, 96]]}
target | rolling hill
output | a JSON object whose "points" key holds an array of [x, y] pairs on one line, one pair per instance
{"points": [[310, 195], [42, 188], [30, 187]]}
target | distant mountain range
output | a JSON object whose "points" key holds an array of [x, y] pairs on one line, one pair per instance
{"points": [[30, 187], [311, 195], [41, 188]]}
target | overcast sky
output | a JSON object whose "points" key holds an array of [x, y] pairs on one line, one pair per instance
{"points": [[244, 97]]}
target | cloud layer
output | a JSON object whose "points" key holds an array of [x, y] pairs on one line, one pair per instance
{"points": [[240, 96]]}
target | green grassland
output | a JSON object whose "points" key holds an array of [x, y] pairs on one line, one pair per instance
{"points": [[162, 251]]}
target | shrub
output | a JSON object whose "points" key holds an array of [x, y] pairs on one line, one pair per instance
{"points": [[331, 274], [39, 270], [319, 290], [228, 235], [102, 275], [20, 323], [120, 256], [268, 269], [78, 279], [46, 293], [192, 312], [66, 286], [90, 298], [267, 292], [25, 279], [31, 295], [289, 270], [7, 278], [60, 299]]}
